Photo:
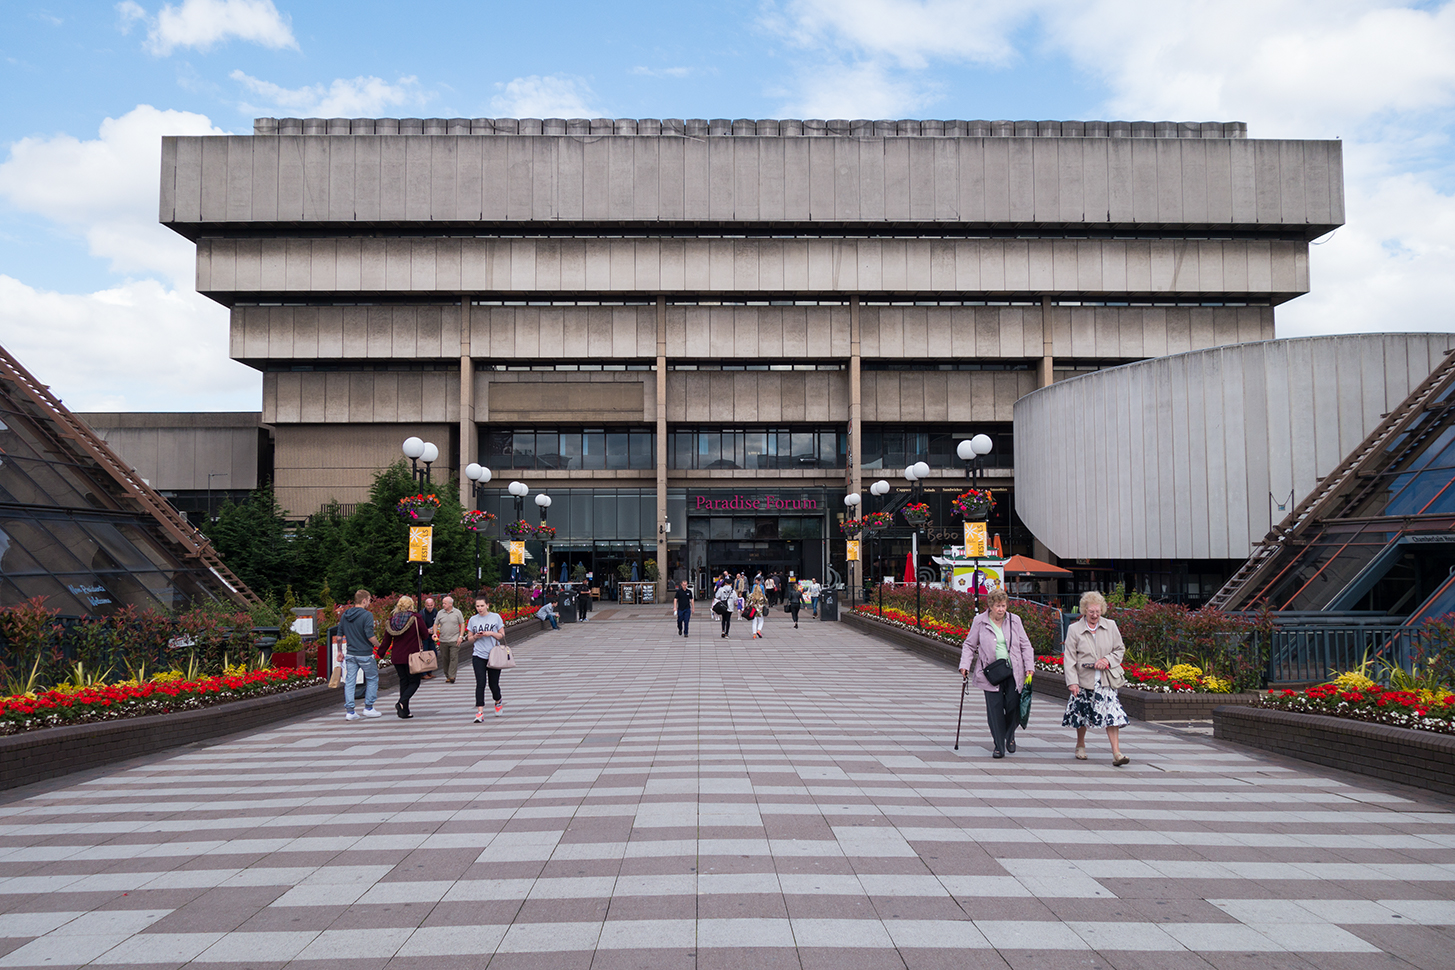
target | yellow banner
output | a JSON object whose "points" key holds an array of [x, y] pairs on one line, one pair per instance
{"points": [[421, 543], [853, 545], [975, 540], [517, 553]]}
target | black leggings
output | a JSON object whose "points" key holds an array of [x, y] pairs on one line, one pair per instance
{"points": [[408, 684], [482, 674], [727, 621], [1003, 712]]}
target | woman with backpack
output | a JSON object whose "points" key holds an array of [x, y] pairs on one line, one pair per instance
{"points": [[722, 605]]}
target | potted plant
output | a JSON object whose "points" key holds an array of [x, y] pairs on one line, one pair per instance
{"points": [[916, 513], [851, 527], [974, 504], [876, 521], [545, 532], [520, 529], [418, 508], [477, 521]]}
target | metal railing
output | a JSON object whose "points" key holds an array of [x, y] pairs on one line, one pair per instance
{"points": [[1313, 652]]}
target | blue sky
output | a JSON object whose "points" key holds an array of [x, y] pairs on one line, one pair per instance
{"points": [[97, 299]]}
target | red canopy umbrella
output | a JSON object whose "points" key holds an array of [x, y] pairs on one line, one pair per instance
{"points": [[909, 567]]}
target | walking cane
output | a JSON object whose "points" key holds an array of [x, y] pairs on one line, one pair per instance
{"points": [[964, 686]]}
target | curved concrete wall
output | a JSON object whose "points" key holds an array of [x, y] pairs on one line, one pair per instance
{"points": [[1185, 450]]}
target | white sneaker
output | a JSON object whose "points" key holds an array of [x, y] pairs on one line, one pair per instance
{"points": [[350, 716], [370, 712], [498, 708]]}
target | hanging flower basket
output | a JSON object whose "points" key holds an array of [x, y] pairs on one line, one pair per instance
{"points": [[916, 513], [477, 521], [545, 532], [520, 530], [974, 504], [418, 509], [876, 521], [851, 527]]}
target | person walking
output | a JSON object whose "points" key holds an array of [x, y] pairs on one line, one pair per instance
{"points": [[357, 626], [758, 607], [486, 629], [813, 591], [427, 615], [1092, 661], [683, 599], [583, 602], [722, 605], [449, 630], [998, 635], [793, 599], [740, 584], [405, 635]]}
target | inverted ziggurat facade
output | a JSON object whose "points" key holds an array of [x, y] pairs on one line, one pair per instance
{"points": [[721, 326]]}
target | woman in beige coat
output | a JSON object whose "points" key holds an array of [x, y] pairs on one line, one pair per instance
{"points": [[1092, 662]]}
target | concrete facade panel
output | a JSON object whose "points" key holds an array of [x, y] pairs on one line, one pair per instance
{"points": [[1196, 443]]}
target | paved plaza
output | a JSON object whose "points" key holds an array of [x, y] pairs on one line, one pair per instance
{"points": [[649, 801]]}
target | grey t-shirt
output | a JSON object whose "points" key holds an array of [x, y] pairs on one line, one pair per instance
{"points": [[451, 623], [485, 624]]}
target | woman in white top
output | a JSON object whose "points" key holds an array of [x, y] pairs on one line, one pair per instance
{"points": [[1092, 661], [723, 603]]}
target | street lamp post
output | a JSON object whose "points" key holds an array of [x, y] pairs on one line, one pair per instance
{"points": [[916, 474], [418, 450], [520, 490], [970, 451], [880, 489], [543, 501], [853, 501], [478, 476]]}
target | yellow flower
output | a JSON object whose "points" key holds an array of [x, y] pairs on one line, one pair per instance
{"points": [[1185, 672], [1353, 680]]}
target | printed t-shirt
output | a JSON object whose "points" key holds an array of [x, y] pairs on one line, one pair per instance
{"points": [[485, 624]]}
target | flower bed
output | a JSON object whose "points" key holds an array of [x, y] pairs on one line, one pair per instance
{"points": [[109, 702], [928, 626], [1420, 710], [1179, 679]]}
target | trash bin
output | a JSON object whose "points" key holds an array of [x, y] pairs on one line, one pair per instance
{"points": [[566, 606], [828, 604]]}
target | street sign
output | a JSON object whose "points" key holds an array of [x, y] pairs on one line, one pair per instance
{"points": [[421, 543], [975, 540], [853, 545], [517, 553]]}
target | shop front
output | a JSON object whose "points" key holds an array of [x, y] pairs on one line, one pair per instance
{"points": [[763, 530]]}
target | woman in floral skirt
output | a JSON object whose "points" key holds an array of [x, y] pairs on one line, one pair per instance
{"points": [[1092, 661]]}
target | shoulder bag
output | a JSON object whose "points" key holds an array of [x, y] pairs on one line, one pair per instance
{"points": [[998, 671], [423, 661], [500, 657]]}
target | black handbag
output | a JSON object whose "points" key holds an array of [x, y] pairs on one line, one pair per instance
{"points": [[720, 608], [999, 671]]}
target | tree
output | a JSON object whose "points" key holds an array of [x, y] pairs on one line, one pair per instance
{"points": [[251, 537]]}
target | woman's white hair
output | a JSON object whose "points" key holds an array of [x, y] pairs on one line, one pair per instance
{"points": [[1092, 597]]}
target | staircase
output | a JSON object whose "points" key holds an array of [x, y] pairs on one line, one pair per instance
{"points": [[186, 539], [1337, 486]]}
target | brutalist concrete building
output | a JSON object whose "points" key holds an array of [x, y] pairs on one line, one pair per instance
{"points": [[723, 326]]}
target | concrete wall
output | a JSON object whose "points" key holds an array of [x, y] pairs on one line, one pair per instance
{"points": [[764, 334], [1272, 268], [360, 397], [175, 452], [318, 463], [1294, 185], [1176, 457]]}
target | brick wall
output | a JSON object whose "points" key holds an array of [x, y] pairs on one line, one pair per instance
{"points": [[1420, 759]]}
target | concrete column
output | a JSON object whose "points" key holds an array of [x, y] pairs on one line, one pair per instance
{"points": [[661, 448], [1045, 374], [856, 436], [469, 439]]}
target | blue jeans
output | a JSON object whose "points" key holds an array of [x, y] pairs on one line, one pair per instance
{"points": [[352, 666], [684, 618]]}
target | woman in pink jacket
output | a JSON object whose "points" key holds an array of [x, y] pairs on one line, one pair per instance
{"points": [[999, 654]]}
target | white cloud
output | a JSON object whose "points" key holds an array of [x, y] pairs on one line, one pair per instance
{"points": [[138, 346], [201, 24], [105, 189], [548, 96], [358, 97], [673, 72], [1381, 75]]}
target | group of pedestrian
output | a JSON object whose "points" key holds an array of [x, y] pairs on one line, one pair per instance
{"points": [[997, 657], [408, 632], [753, 600]]}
